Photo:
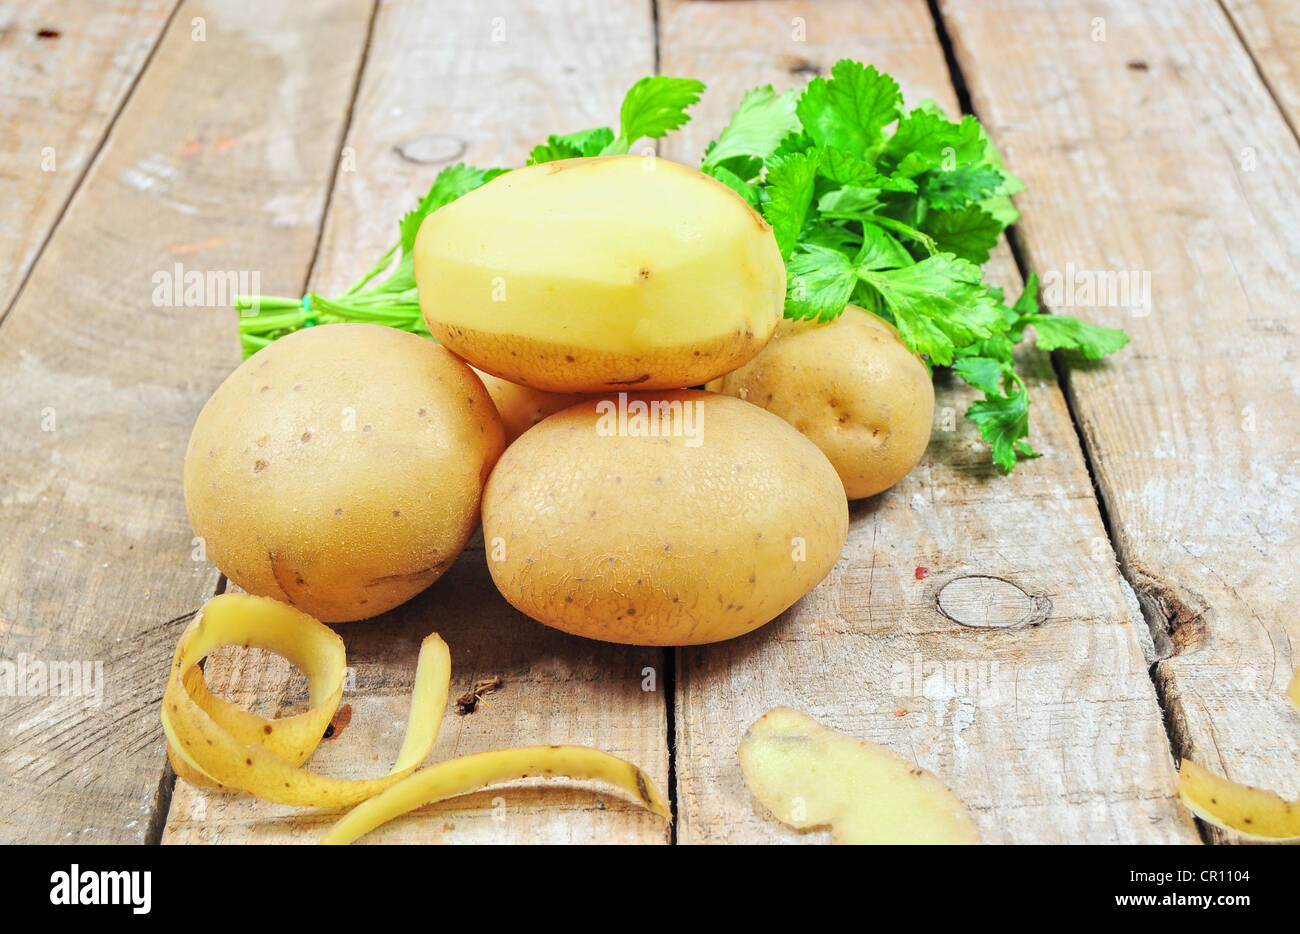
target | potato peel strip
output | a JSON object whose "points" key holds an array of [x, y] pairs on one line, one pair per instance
{"points": [[235, 748], [470, 773], [1244, 809], [211, 741]]}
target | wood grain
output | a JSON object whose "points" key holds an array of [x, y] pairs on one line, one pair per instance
{"points": [[480, 87], [1271, 31], [101, 378], [1155, 148], [1046, 726], [66, 66]]}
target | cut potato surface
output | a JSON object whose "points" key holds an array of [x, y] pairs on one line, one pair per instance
{"points": [[586, 275], [672, 518], [340, 468], [852, 387], [808, 775]]}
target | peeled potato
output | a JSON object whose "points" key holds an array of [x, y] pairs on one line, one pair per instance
{"points": [[587, 275], [340, 468], [522, 407], [705, 529], [810, 776], [853, 388]]}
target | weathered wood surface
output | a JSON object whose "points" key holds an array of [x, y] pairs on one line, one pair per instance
{"points": [[66, 67], [1049, 730], [1270, 30], [220, 161], [1157, 149], [437, 89], [1153, 149]]}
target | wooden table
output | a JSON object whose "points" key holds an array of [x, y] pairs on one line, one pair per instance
{"points": [[1126, 599]]}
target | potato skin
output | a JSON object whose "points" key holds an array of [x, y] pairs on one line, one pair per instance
{"points": [[340, 469], [609, 273], [850, 386], [655, 540], [522, 407]]}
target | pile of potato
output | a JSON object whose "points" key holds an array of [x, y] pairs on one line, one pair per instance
{"points": [[344, 468]]}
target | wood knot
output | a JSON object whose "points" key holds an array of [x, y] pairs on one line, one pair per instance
{"points": [[983, 601], [433, 149]]}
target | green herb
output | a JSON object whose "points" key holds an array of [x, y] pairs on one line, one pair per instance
{"points": [[889, 209], [894, 211]]}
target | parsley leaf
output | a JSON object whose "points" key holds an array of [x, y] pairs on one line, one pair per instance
{"points": [[790, 186], [1004, 423], [937, 305], [970, 233], [849, 110], [821, 281], [653, 106], [572, 145], [763, 119], [1062, 332]]}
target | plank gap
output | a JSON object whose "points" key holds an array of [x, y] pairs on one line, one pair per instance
{"points": [[1062, 370], [338, 149], [91, 159], [1263, 75]]}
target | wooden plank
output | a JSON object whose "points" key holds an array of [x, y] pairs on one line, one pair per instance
{"points": [[1049, 731], [1189, 174], [65, 67], [481, 87], [220, 161], [1271, 31]]}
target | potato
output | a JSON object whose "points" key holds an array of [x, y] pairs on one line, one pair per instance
{"points": [[593, 274], [671, 518], [522, 407], [853, 388], [808, 775], [340, 468]]}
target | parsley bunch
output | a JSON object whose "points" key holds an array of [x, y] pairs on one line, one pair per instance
{"points": [[893, 211]]}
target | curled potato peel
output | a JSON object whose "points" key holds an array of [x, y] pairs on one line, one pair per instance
{"points": [[213, 742]]}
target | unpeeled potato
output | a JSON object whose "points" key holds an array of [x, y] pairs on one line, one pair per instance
{"points": [[340, 468], [522, 407], [852, 387], [596, 526]]}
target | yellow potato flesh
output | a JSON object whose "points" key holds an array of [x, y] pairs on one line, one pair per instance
{"points": [[850, 386], [1243, 809], [670, 539], [340, 468], [810, 776], [213, 742], [593, 274]]}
